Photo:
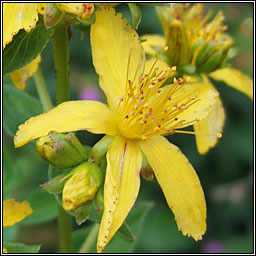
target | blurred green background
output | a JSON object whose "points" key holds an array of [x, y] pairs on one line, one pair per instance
{"points": [[226, 172]]}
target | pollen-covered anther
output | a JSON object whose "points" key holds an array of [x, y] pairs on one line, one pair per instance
{"points": [[180, 81]]}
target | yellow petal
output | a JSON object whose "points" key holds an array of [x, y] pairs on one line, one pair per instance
{"points": [[4, 250], [153, 43], [112, 41], [121, 188], [18, 16], [41, 8], [209, 130], [180, 185], [235, 79], [189, 111], [14, 211], [21, 76], [69, 116]]}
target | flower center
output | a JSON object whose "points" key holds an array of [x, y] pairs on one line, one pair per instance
{"points": [[147, 109]]}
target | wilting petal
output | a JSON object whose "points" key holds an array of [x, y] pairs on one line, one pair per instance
{"points": [[14, 211], [235, 79], [112, 41], [209, 130], [18, 16], [21, 76], [180, 185], [69, 116], [121, 188], [153, 43]]}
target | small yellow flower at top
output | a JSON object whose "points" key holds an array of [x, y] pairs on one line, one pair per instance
{"points": [[139, 113], [199, 47]]}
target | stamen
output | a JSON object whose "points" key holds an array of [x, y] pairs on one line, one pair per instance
{"points": [[218, 134]]}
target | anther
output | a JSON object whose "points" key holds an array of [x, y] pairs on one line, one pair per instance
{"points": [[180, 81], [219, 135]]}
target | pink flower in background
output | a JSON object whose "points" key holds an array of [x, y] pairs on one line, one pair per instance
{"points": [[90, 93], [213, 246]]}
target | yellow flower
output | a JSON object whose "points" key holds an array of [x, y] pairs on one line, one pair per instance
{"points": [[139, 111], [21, 76], [207, 44], [13, 212], [17, 16]]}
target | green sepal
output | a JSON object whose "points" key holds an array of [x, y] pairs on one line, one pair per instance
{"points": [[56, 184], [204, 53], [52, 15], [212, 63], [136, 14], [100, 148], [82, 213], [99, 200]]}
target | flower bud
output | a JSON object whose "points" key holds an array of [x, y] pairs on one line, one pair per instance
{"points": [[52, 15], [82, 10], [179, 52], [61, 150], [82, 187], [212, 55], [146, 171]]}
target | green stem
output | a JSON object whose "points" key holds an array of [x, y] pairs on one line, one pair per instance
{"points": [[90, 240], [61, 62], [64, 231], [42, 90]]}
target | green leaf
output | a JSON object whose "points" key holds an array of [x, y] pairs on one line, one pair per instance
{"points": [[44, 207], [136, 14], [25, 47], [21, 248], [18, 106], [82, 213], [126, 233]]}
